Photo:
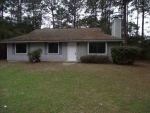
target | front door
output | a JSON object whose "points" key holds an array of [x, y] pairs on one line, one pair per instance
{"points": [[72, 48]]}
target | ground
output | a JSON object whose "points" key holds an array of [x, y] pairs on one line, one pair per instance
{"points": [[57, 87]]}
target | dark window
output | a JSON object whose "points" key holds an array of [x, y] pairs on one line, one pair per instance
{"points": [[21, 48], [96, 47], [53, 48]]}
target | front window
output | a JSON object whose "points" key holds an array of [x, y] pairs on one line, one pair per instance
{"points": [[53, 48], [21, 48], [97, 47]]}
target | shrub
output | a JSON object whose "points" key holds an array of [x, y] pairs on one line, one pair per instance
{"points": [[125, 55], [94, 59], [34, 56], [146, 49]]}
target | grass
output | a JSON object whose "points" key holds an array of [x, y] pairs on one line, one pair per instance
{"points": [[74, 88]]}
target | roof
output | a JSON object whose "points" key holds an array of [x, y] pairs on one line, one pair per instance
{"points": [[72, 34]]}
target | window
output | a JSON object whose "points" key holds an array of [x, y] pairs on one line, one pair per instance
{"points": [[21, 48], [97, 47], [53, 48]]}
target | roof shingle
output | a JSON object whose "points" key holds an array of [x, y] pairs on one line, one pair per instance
{"points": [[74, 34]]}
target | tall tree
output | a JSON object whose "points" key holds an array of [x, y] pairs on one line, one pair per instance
{"points": [[144, 8], [61, 17], [132, 29], [136, 6], [106, 11], [19, 10], [2, 3], [125, 2], [92, 7], [51, 8], [143, 15], [34, 11], [11, 10], [74, 8]]}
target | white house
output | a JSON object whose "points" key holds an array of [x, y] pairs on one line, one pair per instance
{"points": [[64, 44]]}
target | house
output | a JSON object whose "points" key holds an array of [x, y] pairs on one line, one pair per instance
{"points": [[64, 44]]}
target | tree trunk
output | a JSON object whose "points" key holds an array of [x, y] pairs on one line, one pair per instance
{"points": [[137, 8], [105, 22], [53, 19], [137, 22], [12, 15], [125, 27], [33, 11], [2, 11], [18, 12], [143, 14], [61, 20], [74, 21], [127, 21]]}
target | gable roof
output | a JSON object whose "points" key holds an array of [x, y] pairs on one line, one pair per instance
{"points": [[73, 34]]}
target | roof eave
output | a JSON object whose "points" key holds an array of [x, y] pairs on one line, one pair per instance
{"points": [[106, 40]]}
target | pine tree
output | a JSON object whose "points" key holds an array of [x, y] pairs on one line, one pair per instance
{"points": [[144, 8], [74, 8], [2, 8], [61, 17], [51, 9], [34, 11]]}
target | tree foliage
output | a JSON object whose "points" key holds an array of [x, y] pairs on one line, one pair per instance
{"points": [[68, 13]]}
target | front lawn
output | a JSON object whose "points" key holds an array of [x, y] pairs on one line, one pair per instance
{"points": [[74, 88]]}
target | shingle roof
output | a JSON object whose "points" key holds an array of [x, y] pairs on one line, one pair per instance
{"points": [[77, 34]]}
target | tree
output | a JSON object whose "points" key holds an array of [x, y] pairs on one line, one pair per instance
{"points": [[125, 2], [106, 10], [132, 29], [61, 17], [100, 11], [19, 10], [92, 7], [144, 8], [136, 6], [34, 11], [2, 3], [51, 8], [89, 21], [15, 8], [74, 8]]}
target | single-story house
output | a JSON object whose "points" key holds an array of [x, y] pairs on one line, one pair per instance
{"points": [[64, 44]]}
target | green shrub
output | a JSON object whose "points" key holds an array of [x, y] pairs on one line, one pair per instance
{"points": [[146, 50], [94, 59], [34, 56], [124, 54]]}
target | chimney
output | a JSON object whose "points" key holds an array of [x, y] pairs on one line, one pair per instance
{"points": [[116, 26]]}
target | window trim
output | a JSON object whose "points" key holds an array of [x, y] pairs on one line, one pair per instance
{"points": [[97, 53], [26, 48], [48, 48]]}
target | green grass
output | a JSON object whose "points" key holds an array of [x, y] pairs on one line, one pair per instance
{"points": [[78, 88]]}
